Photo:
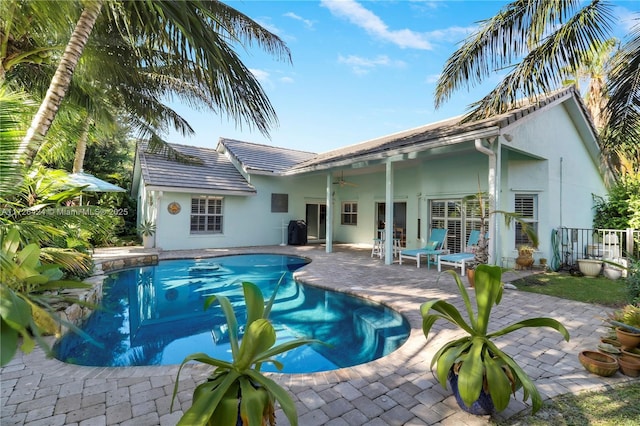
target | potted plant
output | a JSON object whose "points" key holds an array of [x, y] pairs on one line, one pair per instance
{"points": [[147, 229], [626, 321], [481, 252], [236, 393], [525, 256], [484, 375]]}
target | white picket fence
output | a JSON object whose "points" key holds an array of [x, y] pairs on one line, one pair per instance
{"points": [[619, 243]]}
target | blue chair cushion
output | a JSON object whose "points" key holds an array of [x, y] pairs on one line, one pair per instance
{"points": [[431, 245]]}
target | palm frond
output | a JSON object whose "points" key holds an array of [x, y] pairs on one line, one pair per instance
{"points": [[200, 35], [624, 95], [547, 35], [15, 109], [545, 67]]}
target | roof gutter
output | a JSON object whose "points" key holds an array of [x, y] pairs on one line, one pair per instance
{"points": [[199, 191], [423, 146]]}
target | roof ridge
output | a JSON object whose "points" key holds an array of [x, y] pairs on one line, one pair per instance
{"points": [[265, 145]]}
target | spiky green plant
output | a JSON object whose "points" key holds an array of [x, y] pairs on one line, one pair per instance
{"points": [[478, 362], [238, 387]]}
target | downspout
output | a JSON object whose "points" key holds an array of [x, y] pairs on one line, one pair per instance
{"points": [[157, 217], [492, 194]]}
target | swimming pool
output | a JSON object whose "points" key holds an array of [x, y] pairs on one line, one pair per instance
{"points": [[154, 316]]}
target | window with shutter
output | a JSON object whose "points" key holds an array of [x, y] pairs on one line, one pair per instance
{"points": [[526, 205], [206, 215]]}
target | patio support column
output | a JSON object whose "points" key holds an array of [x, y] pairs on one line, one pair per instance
{"points": [[492, 194], [388, 215], [329, 230]]}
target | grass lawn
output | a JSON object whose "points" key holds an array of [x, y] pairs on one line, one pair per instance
{"points": [[618, 406], [599, 290]]}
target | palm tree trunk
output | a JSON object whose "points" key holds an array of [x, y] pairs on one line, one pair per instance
{"points": [[59, 84], [81, 146]]}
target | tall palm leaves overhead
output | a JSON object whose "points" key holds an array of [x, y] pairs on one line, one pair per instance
{"points": [[183, 49], [623, 106], [594, 68], [59, 83], [535, 42]]}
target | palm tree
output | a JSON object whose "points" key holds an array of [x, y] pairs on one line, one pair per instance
{"points": [[595, 68], [60, 83], [623, 128], [539, 42], [186, 46], [30, 32]]}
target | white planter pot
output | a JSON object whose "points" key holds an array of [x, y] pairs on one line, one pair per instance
{"points": [[147, 241], [612, 273], [590, 267]]}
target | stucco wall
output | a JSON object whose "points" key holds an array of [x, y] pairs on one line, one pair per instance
{"points": [[248, 220], [544, 157]]}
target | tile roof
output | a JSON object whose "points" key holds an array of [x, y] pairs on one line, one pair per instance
{"points": [[219, 174], [216, 173], [264, 158], [433, 133]]}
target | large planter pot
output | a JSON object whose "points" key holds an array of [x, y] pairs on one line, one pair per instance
{"points": [[631, 354], [598, 363], [627, 339], [524, 259], [629, 367], [483, 405], [612, 273], [590, 267]]}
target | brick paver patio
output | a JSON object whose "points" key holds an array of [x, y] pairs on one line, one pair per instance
{"points": [[398, 389]]}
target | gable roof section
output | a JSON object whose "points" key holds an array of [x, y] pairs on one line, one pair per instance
{"points": [[441, 133], [216, 174], [264, 159]]}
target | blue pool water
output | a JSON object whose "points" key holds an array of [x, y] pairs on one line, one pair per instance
{"points": [[154, 316]]}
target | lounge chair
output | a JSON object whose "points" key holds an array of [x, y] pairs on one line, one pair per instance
{"points": [[460, 260], [433, 248]]}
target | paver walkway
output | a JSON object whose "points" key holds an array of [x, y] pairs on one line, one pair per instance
{"points": [[398, 389]]}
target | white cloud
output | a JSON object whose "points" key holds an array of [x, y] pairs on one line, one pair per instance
{"points": [[307, 22], [355, 13], [360, 65], [261, 75], [287, 80], [432, 78], [452, 34]]}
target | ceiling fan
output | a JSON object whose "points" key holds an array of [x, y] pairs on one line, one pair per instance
{"points": [[343, 182]]}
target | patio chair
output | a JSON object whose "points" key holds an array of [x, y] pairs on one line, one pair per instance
{"points": [[433, 248], [460, 260], [378, 245]]}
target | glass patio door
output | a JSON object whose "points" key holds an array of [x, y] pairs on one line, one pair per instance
{"points": [[316, 218], [399, 220]]}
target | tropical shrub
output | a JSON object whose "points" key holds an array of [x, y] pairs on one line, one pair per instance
{"points": [[621, 208], [26, 288], [633, 281]]}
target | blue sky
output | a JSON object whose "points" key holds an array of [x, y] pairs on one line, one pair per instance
{"points": [[361, 69]]}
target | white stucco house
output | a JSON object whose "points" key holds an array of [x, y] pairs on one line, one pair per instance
{"points": [[541, 160]]}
